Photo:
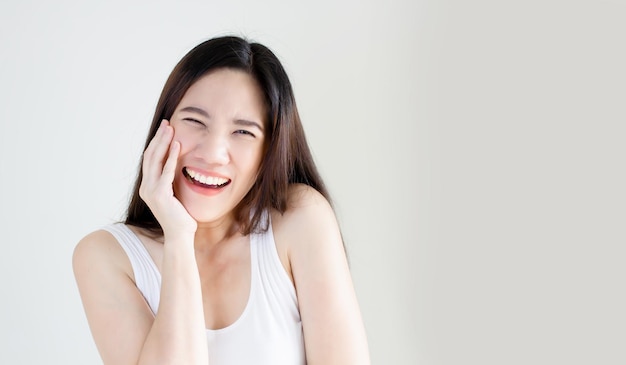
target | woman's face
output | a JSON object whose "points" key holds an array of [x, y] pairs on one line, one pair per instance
{"points": [[220, 125]]}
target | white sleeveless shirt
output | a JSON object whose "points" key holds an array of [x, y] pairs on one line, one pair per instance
{"points": [[269, 331]]}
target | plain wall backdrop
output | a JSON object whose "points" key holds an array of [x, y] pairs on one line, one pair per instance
{"points": [[474, 150]]}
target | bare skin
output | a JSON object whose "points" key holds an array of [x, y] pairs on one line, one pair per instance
{"points": [[205, 268]]}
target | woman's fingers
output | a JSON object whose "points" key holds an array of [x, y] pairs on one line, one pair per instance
{"points": [[169, 169], [155, 153], [154, 185], [156, 189]]}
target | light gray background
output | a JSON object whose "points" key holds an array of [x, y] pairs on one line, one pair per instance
{"points": [[474, 149]]}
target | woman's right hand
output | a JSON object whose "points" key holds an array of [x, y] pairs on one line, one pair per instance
{"points": [[159, 167]]}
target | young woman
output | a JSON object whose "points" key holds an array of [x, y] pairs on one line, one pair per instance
{"points": [[230, 252]]}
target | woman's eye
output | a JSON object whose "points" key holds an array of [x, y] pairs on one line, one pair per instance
{"points": [[193, 121], [244, 132]]}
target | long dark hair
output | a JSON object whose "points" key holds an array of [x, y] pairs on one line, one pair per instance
{"points": [[287, 158]]}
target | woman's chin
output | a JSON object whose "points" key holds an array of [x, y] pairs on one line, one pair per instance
{"points": [[212, 218]]}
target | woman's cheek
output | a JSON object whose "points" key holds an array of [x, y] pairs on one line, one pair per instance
{"points": [[180, 137]]}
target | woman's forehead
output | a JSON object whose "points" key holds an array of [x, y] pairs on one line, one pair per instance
{"points": [[226, 92]]}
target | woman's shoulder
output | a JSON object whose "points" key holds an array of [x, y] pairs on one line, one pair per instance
{"points": [[303, 204], [308, 215], [99, 241], [307, 225], [99, 250], [301, 197]]}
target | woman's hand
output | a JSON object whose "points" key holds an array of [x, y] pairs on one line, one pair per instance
{"points": [[159, 168], [124, 327]]}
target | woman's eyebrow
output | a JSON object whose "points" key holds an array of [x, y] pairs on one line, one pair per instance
{"points": [[195, 109], [248, 123]]}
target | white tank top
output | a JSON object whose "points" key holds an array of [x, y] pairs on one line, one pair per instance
{"points": [[269, 331]]}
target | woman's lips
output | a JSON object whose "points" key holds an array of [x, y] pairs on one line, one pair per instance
{"points": [[205, 181]]}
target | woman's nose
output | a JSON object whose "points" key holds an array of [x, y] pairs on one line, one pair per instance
{"points": [[213, 149]]}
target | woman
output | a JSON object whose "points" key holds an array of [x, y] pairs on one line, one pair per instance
{"points": [[230, 252]]}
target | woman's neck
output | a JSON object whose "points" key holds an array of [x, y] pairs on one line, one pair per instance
{"points": [[210, 234]]}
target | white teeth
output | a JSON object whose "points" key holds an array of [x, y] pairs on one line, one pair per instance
{"points": [[207, 180]]}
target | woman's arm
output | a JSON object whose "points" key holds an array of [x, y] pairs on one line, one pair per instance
{"points": [[118, 315], [121, 322], [331, 319]]}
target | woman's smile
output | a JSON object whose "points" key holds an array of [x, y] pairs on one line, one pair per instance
{"points": [[206, 181]]}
